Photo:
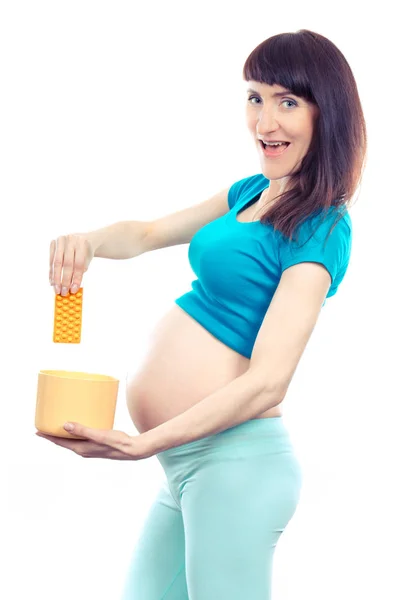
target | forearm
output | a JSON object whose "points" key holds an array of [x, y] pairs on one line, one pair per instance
{"points": [[121, 240], [242, 399]]}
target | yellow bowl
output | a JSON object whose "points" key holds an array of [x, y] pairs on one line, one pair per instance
{"points": [[85, 398]]}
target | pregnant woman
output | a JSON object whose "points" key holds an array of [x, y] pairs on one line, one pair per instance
{"points": [[266, 251]]}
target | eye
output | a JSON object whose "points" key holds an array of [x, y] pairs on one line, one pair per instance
{"points": [[291, 102], [251, 98]]}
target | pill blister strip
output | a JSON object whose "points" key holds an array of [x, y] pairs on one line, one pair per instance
{"points": [[68, 318]]}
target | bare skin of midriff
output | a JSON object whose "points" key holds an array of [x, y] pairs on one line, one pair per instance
{"points": [[183, 364]]}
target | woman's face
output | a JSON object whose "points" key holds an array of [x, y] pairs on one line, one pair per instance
{"points": [[275, 114]]}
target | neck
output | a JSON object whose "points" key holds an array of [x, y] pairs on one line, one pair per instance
{"points": [[275, 189]]}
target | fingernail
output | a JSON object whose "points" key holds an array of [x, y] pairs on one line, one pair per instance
{"points": [[68, 427], [74, 289], [57, 289], [64, 291]]}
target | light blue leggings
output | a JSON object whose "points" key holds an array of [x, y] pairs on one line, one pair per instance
{"points": [[213, 527]]}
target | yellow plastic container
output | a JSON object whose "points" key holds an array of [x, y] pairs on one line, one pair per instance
{"points": [[85, 398]]}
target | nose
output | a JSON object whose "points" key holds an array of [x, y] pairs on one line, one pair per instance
{"points": [[267, 122]]}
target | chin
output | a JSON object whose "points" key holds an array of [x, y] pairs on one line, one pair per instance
{"points": [[273, 173]]}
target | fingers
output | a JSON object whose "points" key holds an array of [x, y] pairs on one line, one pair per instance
{"points": [[68, 264], [68, 257], [58, 260], [52, 252], [79, 264]]}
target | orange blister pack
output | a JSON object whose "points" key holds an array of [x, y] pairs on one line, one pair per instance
{"points": [[68, 318]]}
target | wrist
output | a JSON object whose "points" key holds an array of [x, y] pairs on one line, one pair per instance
{"points": [[141, 448], [96, 240]]}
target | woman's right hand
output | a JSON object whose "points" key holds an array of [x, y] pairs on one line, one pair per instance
{"points": [[72, 254]]}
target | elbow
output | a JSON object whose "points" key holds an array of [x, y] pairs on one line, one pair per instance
{"points": [[270, 391]]}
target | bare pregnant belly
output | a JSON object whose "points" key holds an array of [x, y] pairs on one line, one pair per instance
{"points": [[184, 364]]}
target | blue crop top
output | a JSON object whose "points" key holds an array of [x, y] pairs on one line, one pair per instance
{"points": [[239, 264]]}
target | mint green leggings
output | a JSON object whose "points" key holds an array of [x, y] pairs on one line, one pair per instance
{"points": [[213, 527]]}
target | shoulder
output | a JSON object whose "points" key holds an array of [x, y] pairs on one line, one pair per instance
{"points": [[321, 226], [325, 238], [248, 186]]}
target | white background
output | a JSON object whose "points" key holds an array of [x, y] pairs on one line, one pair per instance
{"points": [[119, 110]]}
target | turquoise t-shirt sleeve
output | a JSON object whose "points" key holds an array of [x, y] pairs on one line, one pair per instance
{"points": [[333, 252]]}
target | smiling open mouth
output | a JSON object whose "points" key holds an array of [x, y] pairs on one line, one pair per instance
{"points": [[277, 150]]}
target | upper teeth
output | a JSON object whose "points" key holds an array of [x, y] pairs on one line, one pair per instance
{"points": [[274, 143]]}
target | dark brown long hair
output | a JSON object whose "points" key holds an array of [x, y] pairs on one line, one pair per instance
{"points": [[312, 67]]}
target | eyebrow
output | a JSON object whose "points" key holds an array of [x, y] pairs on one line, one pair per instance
{"points": [[285, 93]]}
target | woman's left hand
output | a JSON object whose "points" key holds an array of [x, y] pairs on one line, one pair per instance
{"points": [[100, 443]]}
